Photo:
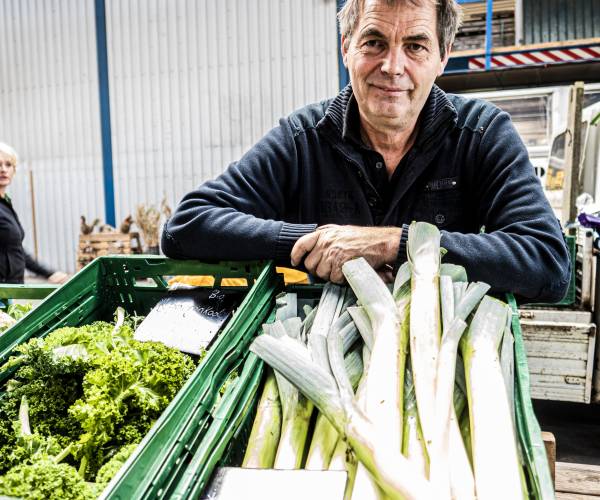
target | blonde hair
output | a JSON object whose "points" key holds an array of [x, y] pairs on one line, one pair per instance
{"points": [[10, 152], [448, 19]]}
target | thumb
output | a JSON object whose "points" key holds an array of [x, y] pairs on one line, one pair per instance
{"points": [[304, 245]]}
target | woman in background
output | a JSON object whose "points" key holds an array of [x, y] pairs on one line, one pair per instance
{"points": [[13, 257]]}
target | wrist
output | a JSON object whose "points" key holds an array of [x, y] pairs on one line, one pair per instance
{"points": [[401, 256], [392, 243]]}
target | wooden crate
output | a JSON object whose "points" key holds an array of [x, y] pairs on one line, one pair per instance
{"points": [[471, 34], [100, 244], [560, 348]]}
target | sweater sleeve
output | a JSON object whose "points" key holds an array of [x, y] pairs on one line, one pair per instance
{"points": [[35, 267], [239, 215], [522, 249]]}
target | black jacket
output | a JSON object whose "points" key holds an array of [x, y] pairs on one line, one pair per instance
{"points": [[13, 257], [467, 171]]}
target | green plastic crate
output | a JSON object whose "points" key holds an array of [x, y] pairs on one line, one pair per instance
{"points": [[229, 434], [137, 283]]}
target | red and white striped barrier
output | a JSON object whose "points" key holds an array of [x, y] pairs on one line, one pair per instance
{"points": [[550, 56]]}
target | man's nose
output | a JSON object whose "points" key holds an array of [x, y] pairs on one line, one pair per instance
{"points": [[394, 61]]}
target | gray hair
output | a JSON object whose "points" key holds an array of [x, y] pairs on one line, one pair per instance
{"points": [[448, 19], [10, 152]]}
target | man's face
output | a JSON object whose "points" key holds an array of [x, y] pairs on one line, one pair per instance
{"points": [[393, 59]]}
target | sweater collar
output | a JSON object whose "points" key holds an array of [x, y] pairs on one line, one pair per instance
{"points": [[437, 117]]}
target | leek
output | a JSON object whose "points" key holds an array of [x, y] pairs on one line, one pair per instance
{"points": [[465, 432], [264, 437], [296, 409], [287, 306], [495, 458], [328, 311], [363, 324], [325, 437], [385, 374], [413, 444], [344, 459], [397, 477], [425, 322]]}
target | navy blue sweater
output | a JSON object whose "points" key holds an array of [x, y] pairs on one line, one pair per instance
{"points": [[467, 170]]}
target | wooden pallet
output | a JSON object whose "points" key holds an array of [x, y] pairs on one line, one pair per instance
{"points": [[100, 244], [577, 481]]}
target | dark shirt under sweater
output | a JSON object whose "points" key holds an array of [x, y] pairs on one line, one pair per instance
{"points": [[13, 257]]}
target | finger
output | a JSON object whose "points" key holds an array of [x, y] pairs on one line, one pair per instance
{"points": [[337, 276], [324, 268], [327, 226], [302, 246], [312, 260]]}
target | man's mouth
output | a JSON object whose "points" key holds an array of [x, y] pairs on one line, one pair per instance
{"points": [[391, 89]]}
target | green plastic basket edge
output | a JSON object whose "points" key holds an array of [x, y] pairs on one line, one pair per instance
{"points": [[46, 316], [230, 414], [136, 477], [530, 434]]}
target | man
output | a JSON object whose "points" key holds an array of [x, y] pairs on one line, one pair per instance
{"points": [[343, 178]]}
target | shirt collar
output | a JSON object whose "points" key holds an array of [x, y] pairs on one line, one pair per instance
{"points": [[343, 117]]}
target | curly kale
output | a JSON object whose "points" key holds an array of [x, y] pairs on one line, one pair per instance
{"points": [[91, 391], [110, 468], [127, 387], [44, 479], [51, 385]]}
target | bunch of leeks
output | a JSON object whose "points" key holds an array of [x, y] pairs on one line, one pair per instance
{"points": [[414, 398]]}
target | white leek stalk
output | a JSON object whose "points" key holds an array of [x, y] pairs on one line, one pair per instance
{"points": [[465, 432], [343, 459], [384, 382], [495, 459], [397, 477], [296, 408], [413, 443], [442, 468], [325, 437], [425, 319], [385, 375], [264, 437], [462, 480], [330, 304], [363, 324], [287, 306]]}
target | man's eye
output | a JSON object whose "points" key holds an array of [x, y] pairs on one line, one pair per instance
{"points": [[415, 47], [373, 45]]}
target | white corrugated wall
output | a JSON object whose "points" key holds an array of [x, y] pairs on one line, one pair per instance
{"points": [[193, 84], [49, 114]]}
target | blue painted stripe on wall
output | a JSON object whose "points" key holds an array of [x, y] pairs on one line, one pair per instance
{"points": [[105, 128], [488, 34]]}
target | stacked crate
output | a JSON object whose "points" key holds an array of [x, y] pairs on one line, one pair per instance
{"points": [[95, 245], [471, 34]]}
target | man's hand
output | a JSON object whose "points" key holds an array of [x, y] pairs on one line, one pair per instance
{"points": [[329, 247]]}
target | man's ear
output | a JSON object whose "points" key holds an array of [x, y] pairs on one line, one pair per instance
{"points": [[344, 49], [444, 60]]}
